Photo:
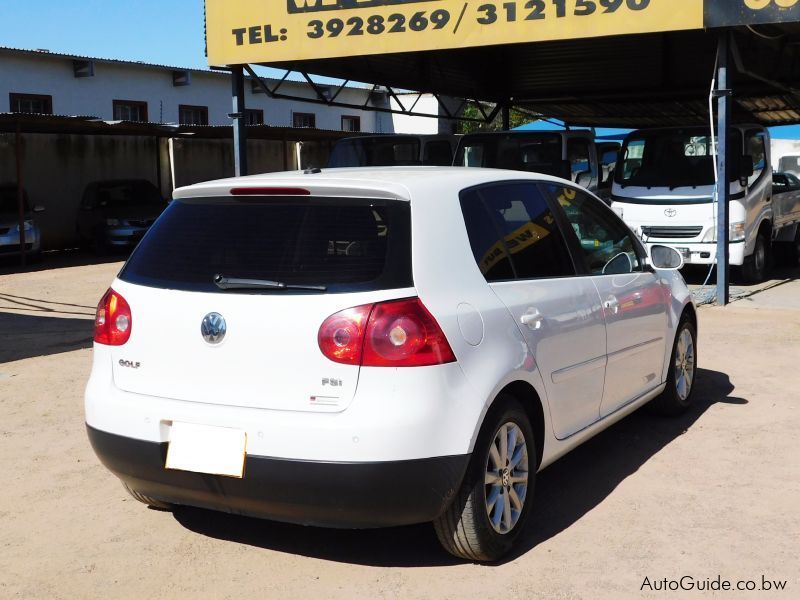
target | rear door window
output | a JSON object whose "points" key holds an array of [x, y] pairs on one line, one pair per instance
{"points": [[343, 244], [513, 233]]}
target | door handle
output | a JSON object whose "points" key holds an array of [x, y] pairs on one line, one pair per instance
{"points": [[532, 319], [611, 305]]}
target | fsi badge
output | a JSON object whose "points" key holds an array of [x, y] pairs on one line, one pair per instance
{"points": [[730, 13], [306, 6]]}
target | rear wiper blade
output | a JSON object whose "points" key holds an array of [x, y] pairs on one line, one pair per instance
{"points": [[232, 283]]}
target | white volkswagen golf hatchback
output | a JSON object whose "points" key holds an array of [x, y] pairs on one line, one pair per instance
{"points": [[375, 347]]}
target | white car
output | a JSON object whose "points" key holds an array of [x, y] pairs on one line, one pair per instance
{"points": [[375, 347]]}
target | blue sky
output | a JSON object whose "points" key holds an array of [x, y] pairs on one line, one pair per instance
{"points": [[160, 31]]}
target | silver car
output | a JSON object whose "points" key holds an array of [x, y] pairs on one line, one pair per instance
{"points": [[9, 224]]}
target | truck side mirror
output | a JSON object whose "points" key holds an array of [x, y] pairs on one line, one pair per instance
{"points": [[746, 167], [584, 179], [565, 170]]}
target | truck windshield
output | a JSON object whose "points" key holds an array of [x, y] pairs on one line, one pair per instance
{"points": [[537, 152], [385, 151], [674, 158]]}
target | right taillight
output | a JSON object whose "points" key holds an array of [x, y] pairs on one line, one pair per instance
{"points": [[400, 333], [113, 320]]}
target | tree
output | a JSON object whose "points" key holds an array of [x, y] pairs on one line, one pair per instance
{"points": [[517, 118]]}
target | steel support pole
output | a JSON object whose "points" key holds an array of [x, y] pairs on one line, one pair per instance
{"points": [[506, 117], [239, 122], [723, 168], [20, 198]]}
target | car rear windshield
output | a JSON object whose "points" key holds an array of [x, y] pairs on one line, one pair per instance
{"points": [[342, 244], [127, 193]]}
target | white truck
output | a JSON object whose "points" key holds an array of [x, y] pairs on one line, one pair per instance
{"points": [[664, 187]]}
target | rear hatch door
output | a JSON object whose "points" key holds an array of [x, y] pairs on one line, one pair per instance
{"points": [[357, 249]]}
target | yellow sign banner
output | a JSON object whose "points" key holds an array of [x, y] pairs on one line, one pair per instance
{"points": [[268, 31]]}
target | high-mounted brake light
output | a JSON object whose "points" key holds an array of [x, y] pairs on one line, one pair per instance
{"points": [[269, 191], [113, 320], [400, 333]]}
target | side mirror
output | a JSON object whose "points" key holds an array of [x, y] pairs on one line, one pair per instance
{"points": [[664, 257], [746, 167], [38, 208], [584, 179]]}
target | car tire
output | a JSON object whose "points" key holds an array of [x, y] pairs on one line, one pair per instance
{"points": [[677, 396], [756, 266], [466, 529], [151, 502]]}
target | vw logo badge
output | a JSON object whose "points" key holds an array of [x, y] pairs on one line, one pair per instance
{"points": [[670, 212], [213, 328]]}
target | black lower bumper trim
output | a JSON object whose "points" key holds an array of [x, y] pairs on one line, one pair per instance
{"points": [[344, 495]]}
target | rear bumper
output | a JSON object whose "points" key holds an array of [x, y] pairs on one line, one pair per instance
{"points": [[328, 494]]}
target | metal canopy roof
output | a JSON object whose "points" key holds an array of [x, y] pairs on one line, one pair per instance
{"points": [[626, 63], [624, 81]]}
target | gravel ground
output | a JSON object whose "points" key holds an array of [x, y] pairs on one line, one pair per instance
{"points": [[714, 493]]}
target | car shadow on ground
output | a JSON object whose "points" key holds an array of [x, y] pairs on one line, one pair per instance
{"points": [[59, 259], [26, 336], [565, 492], [699, 274]]}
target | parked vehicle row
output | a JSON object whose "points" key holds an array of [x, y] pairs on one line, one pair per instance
{"points": [[664, 188]]}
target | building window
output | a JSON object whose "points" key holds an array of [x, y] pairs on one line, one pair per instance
{"points": [[130, 110], [31, 104], [253, 116], [304, 120], [351, 123], [192, 115]]}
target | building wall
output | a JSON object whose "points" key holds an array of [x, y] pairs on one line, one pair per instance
{"points": [[53, 75]]}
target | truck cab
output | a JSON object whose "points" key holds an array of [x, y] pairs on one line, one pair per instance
{"points": [[393, 151], [568, 154], [664, 189]]}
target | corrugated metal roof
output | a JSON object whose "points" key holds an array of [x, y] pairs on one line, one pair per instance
{"points": [[30, 123], [137, 63], [625, 81]]}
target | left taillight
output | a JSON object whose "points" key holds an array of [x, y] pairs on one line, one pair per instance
{"points": [[113, 320]]}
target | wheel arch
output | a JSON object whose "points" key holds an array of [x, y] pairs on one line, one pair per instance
{"points": [[529, 399], [690, 312]]}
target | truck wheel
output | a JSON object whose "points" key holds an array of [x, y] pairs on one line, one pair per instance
{"points": [[486, 517], [756, 266], [151, 502], [677, 396], [790, 251]]}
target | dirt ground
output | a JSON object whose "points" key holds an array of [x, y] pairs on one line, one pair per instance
{"points": [[714, 493]]}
